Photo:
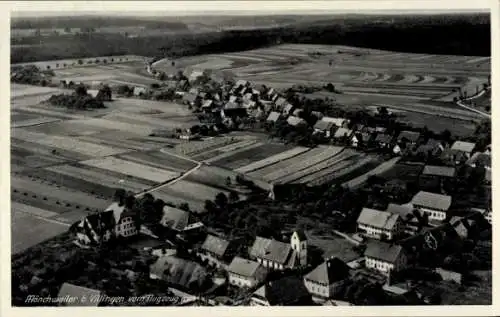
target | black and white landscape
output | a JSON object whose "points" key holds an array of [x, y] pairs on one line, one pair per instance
{"points": [[265, 160]]}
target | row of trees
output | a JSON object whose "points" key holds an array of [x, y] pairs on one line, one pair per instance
{"points": [[81, 99]]}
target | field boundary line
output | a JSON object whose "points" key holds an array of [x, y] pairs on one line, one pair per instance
{"points": [[46, 219]]}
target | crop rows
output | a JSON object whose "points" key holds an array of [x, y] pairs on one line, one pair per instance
{"points": [[272, 159], [340, 172]]}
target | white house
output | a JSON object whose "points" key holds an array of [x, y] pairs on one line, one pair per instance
{"points": [[245, 273], [326, 280], [385, 257], [380, 224], [434, 205]]}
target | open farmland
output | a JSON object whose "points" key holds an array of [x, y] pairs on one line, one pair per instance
{"points": [[239, 159]]}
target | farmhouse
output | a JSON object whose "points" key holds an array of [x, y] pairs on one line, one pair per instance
{"points": [[434, 205], [217, 251], [245, 273], [342, 134], [339, 122], [288, 109], [435, 176], [410, 137], [326, 280], [379, 224], [480, 159], [207, 105], [385, 257], [286, 291], [383, 140], [138, 91], [361, 139], [114, 222], [181, 273], [324, 127], [465, 147], [175, 219], [295, 121], [70, 291], [278, 255], [234, 113], [273, 116], [280, 103], [411, 218]]}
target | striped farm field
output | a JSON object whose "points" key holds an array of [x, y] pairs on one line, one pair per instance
{"points": [[216, 177], [272, 159], [221, 155], [380, 169], [355, 166], [66, 143], [193, 148], [224, 150], [247, 156], [298, 163], [133, 169], [159, 159]]}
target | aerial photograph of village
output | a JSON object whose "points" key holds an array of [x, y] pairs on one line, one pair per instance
{"points": [[320, 159]]}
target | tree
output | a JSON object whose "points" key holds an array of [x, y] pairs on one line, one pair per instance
{"points": [[104, 93], [119, 196], [81, 90], [210, 206], [228, 181], [48, 67], [184, 206], [221, 200], [80, 62], [67, 30], [234, 197], [124, 90]]}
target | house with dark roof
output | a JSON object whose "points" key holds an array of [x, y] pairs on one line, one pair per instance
{"points": [[74, 295], [379, 224], [338, 122], [245, 273], [360, 139], [181, 273], [277, 255], [295, 121], [326, 280], [286, 291], [342, 134], [385, 257], [114, 222], [280, 103], [174, 218], [217, 251], [436, 206], [480, 159], [383, 140], [433, 177], [411, 218], [410, 137]]}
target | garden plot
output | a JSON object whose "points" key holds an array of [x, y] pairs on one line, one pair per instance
{"points": [[299, 163], [27, 230], [53, 192], [35, 151], [382, 168], [342, 171], [272, 160], [161, 160], [140, 106], [193, 148], [104, 123], [67, 143], [144, 120], [247, 156], [216, 177], [90, 181], [225, 150], [133, 169]]}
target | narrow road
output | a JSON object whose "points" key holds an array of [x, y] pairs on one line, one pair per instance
{"points": [[482, 92]]}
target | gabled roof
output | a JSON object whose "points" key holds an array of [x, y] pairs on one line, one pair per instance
{"points": [[215, 245], [174, 218], [79, 292], [285, 291], [117, 210], [280, 102], [445, 171], [297, 112], [273, 250], [404, 211], [295, 121], [434, 142], [241, 82], [301, 234], [329, 272], [383, 138], [323, 125], [288, 108], [231, 105], [409, 135], [339, 122], [179, 271], [243, 267], [432, 200], [102, 221], [481, 158], [207, 104], [342, 132], [377, 218], [462, 146], [383, 251]]}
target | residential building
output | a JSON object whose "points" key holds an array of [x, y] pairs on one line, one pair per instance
{"points": [[342, 134], [273, 116], [74, 295], [412, 219], [361, 139], [325, 127], [286, 291], [339, 122], [378, 224], [295, 121], [217, 251], [434, 205], [480, 159], [277, 255], [465, 147], [189, 99], [288, 109], [435, 177], [410, 137], [174, 218], [245, 273], [326, 280], [183, 274], [383, 140], [207, 105], [280, 103], [385, 257], [298, 241]]}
